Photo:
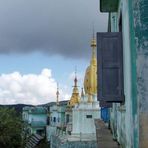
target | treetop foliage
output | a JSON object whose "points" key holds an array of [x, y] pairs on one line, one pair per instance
{"points": [[10, 128]]}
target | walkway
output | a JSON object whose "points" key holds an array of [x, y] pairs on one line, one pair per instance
{"points": [[104, 136]]}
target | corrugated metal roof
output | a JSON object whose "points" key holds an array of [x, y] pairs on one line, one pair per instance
{"points": [[38, 110], [35, 110], [33, 141]]}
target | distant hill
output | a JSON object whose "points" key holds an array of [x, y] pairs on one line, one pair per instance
{"points": [[17, 107], [53, 103]]}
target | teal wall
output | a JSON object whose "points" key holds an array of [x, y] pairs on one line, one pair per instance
{"points": [[122, 118], [141, 39], [140, 15], [35, 119], [129, 122]]}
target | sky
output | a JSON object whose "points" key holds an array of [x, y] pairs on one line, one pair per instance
{"points": [[41, 43]]}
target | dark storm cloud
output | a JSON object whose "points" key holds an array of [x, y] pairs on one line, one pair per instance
{"points": [[62, 27]]}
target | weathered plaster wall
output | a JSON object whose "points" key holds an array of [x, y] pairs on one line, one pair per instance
{"points": [[130, 126], [140, 12], [82, 124], [121, 115]]}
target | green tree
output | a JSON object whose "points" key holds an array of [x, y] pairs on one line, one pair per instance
{"points": [[10, 129]]}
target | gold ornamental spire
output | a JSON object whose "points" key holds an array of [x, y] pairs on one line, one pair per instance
{"points": [[75, 98], [93, 46], [93, 41], [75, 80], [90, 80], [57, 94], [75, 87]]}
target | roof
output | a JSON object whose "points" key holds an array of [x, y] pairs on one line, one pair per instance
{"points": [[38, 110], [33, 141], [35, 110], [26, 108]]}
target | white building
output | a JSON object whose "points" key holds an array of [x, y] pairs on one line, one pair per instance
{"points": [[56, 117]]}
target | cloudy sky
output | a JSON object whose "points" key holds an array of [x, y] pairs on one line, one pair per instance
{"points": [[41, 42]]}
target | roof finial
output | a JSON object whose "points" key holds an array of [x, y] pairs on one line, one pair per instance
{"points": [[93, 41], [57, 94], [75, 80], [75, 71], [93, 31]]}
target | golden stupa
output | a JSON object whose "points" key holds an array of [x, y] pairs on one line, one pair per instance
{"points": [[90, 81], [75, 98]]}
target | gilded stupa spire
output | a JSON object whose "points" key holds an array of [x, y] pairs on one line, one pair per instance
{"points": [[90, 81], [93, 41], [75, 98], [75, 87], [57, 94], [93, 45], [75, 80]]}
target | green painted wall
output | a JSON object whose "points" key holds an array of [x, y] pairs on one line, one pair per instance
{"points": [[124, 116], [140, 15], [130, 121]]}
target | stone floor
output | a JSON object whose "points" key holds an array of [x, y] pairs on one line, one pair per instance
{"points": [[104, 136]]}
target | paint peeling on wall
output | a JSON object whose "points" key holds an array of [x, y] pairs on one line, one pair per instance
{"points": [[141, 36]]}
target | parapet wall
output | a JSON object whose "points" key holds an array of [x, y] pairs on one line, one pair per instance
{"points": [[59, 142]]}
